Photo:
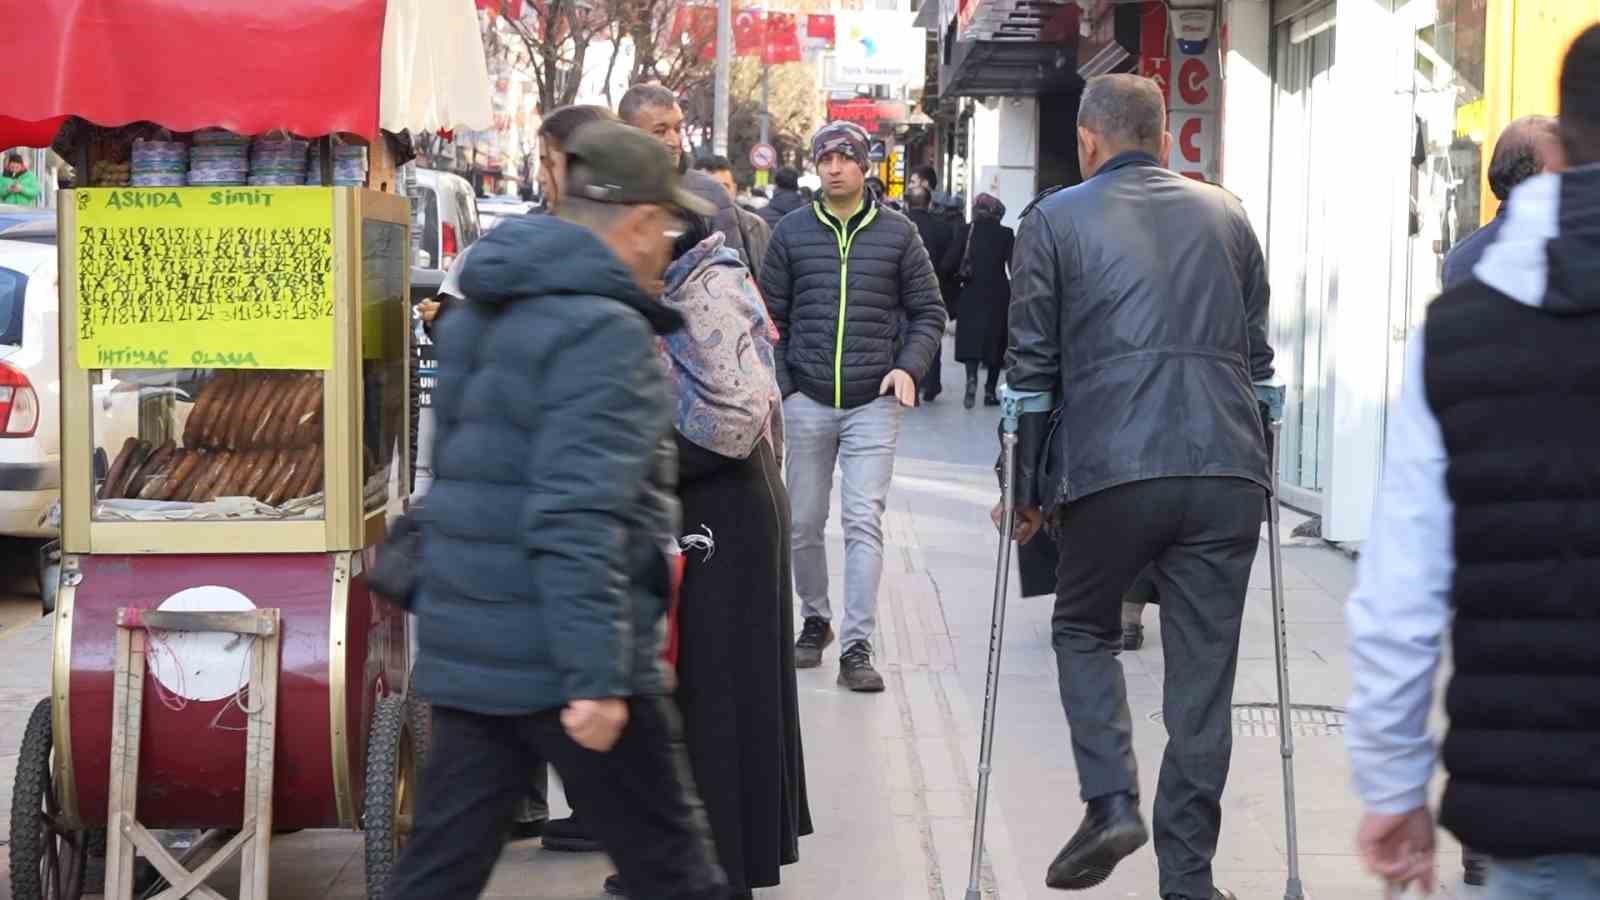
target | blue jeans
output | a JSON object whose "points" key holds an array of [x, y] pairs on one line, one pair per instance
{"points": [[1567, 877], [861, 442]]}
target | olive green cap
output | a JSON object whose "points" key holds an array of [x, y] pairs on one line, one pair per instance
{"points": [[622, 164]]}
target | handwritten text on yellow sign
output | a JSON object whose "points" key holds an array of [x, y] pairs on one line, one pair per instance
{"points": [[201, 277]]}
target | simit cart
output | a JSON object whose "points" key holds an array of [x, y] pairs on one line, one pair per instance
{"points": [[234, 395]]}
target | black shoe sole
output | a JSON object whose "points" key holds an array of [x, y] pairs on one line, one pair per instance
{"points": [[522, 831], [860, 689], [1132, 643], [572, 845], [1093, 868]]}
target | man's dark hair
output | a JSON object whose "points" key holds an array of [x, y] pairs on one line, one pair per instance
{"points": [[918, 198], [714, 164], [928, 174], [1580, 99], [1517, 154], [563, 123], [1127, 110], [644, 96], [787, 179]]}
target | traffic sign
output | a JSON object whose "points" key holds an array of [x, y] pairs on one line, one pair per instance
{"points": [[763, 156]]}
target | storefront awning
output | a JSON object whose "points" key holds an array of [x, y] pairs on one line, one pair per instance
{"points": [[1000, 48], [312, 67]]}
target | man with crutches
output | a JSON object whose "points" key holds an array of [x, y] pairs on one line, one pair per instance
{"points": [[1140, 302]]}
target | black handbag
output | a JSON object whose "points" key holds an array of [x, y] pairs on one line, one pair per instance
{"points": [[965, 271], [397, 573]]}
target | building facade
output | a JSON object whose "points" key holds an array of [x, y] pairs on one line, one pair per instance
{"points": [[1356, 132]]}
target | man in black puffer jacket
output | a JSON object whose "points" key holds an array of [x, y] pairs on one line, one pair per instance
{"points": [[859, 318], [786, 197], [546, 579]]}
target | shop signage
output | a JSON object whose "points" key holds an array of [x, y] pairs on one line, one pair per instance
{"points": [[879, 48], [205, 278], [1155, 62], [870, 114], [1194, 95]]}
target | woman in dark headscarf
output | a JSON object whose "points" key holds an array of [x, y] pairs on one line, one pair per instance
{"points": [[736, 683], [980, 256]]}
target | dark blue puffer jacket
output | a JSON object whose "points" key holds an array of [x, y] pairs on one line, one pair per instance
{"points": [[554, 466]]}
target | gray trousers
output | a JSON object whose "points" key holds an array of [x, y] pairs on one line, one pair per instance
{"points": [[1564, 877], [861, 442], [1199, 538]]}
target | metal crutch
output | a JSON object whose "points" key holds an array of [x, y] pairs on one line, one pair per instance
{"points": [[1293, 890], [1012, 405]]}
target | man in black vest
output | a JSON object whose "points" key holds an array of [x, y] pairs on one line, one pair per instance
{"points": [[1159, 462], [1488, 533]]}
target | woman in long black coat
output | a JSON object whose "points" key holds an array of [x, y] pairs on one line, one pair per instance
{"points": [[981, 255], [735, 667]]}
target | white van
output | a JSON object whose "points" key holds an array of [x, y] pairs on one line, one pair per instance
{"points": [[447, 213]]}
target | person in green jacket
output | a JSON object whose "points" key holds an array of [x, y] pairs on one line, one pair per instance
{"points": [[18, 186]]}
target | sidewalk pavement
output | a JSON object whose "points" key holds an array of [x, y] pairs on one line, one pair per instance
{"points": [[892, 776]]}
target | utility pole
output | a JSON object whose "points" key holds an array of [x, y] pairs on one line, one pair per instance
{"points": [[719, 126], [766, 110]]}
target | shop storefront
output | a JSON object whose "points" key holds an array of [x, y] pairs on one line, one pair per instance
{"points": [[1383, 117]]}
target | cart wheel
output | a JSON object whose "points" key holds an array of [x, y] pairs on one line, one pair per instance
{"points": [[48, 858], [420, 713], [393, 752]]}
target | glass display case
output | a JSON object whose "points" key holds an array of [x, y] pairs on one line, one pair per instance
{"points": [[208, 445], [234, 378]]}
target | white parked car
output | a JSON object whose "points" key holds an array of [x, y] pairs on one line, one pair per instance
{"points": [[448, 215], [494, 210], [30, 386]]}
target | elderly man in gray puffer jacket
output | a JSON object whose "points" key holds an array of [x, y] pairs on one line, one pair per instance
{"points": [[859, 317]]}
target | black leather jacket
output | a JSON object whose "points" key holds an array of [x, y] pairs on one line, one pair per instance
{"points": [[1140, 300]]}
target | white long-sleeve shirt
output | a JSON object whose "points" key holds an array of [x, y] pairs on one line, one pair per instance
{"points": [[1400, 609], [1399, 613]]}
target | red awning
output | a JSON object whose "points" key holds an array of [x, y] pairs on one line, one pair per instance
{"points": [[309, 66]]}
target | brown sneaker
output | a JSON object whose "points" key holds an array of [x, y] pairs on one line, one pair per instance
{"points": [[856, 671], [815, 636]]}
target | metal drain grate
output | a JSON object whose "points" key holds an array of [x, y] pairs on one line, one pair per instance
{"points": [[1261, 720]]}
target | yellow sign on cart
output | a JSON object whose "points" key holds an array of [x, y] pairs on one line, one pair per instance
{"points": [[231, 278]]}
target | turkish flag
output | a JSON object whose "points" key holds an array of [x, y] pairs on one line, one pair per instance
{"points": [[695, 27], [512, 8], [783, 41], [749, 32], [820, 30]]}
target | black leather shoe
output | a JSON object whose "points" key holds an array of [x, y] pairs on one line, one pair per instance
{"points": [[1112, 830], [523, 829], [613, 886], [971, 398], [1474, 869], [990, 398], [569, 836], [1132, 637]]}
